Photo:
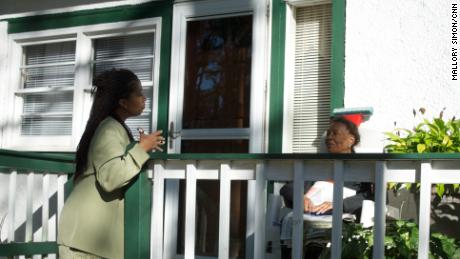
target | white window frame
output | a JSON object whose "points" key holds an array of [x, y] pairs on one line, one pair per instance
{"points": [[198, 10], [83, 35], [289, 68]]}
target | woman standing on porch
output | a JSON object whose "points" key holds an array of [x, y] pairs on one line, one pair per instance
{"points": [[107, 160]]}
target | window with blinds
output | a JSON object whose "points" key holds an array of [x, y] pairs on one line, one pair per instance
{"points": [[133, 52], [311, 98], [47, 76]]}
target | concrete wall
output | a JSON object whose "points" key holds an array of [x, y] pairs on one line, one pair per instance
{"points": [[398, 57]]}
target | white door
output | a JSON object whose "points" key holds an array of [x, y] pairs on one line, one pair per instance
{"points": [[218, 77], [217, 105]]}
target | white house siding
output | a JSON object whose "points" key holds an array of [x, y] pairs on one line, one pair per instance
{"points": [[398, 57], [3, 66], [15, 7]]}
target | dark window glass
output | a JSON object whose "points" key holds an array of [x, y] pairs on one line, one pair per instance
{"points": [[207, 218], [215, 146], [218, 73]]}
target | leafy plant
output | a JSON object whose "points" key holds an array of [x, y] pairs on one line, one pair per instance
{"points": [[401, 241], [435, 136], [429, 136]]}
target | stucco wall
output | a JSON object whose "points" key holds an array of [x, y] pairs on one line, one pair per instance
{"points": [[398, 57]]}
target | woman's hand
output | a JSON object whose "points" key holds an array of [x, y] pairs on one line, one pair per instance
{"points": [[322, 208], [307, 205], [151, 141]]}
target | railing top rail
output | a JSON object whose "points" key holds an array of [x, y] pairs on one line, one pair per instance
{"points": [[319, 156], [19, 160]]}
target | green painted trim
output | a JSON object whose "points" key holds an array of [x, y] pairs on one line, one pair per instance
{"points": [[88, 17], [137, 218], [137, 198], [28, 249], [275, 126], [318, 156], [27, 161], [58, 157], [164, 74], [338, 54]]}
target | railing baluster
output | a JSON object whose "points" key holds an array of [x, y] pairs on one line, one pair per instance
{"points": [[45, 207], [250, 219], [190, 211], [424, 213], [297, 232], [156, 250], [171, 217], [379, 213], [260, 209], [337, 212], [62, 179], [29, 207], [224, 211], [11, 203]]}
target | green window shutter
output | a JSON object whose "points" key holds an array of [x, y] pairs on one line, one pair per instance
{"points": [[312, 76]]}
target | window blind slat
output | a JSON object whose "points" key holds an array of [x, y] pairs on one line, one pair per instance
{"points": [[47, 126], [137, 51], [48, 102], [52, 65], [50, 53], [126, 46], [141, 67], [49, 76], [311, 98]]}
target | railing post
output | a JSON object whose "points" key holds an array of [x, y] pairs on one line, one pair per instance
{"points": [[297, 232], [170, 216], [11, 203], [156, 245], [337, 212], [190, 211], [260, 216], [62, 179], [29, 207], [425, 209], [45, 207], [224, 211], [379, 212]]}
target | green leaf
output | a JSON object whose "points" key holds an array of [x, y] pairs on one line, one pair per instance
{"points": [[392, 136], [421, 148], [440, 189], [445, 140], [456, 186]]}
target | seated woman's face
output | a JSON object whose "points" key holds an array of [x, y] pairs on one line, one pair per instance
{"points": [[339, 139]]}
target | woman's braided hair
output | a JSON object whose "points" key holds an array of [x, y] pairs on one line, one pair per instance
{"points": [[108, 88]]}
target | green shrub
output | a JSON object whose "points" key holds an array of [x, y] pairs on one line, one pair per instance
{"points": [[435, 136], [429, 136], [401, 242]]}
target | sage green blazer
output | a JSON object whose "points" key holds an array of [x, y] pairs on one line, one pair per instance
{"points": [[92, 219]]}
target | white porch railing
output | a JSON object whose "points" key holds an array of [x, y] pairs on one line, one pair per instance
{"points": [[258, 169], [32, 196], [22, 174]]}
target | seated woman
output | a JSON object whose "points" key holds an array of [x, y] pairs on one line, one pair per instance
{"points": [[342, 136]]}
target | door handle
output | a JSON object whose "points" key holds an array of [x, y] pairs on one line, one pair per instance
{"points": [[172, 135]]}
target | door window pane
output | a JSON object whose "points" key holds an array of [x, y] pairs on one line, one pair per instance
{"points": [[218, 73]]}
